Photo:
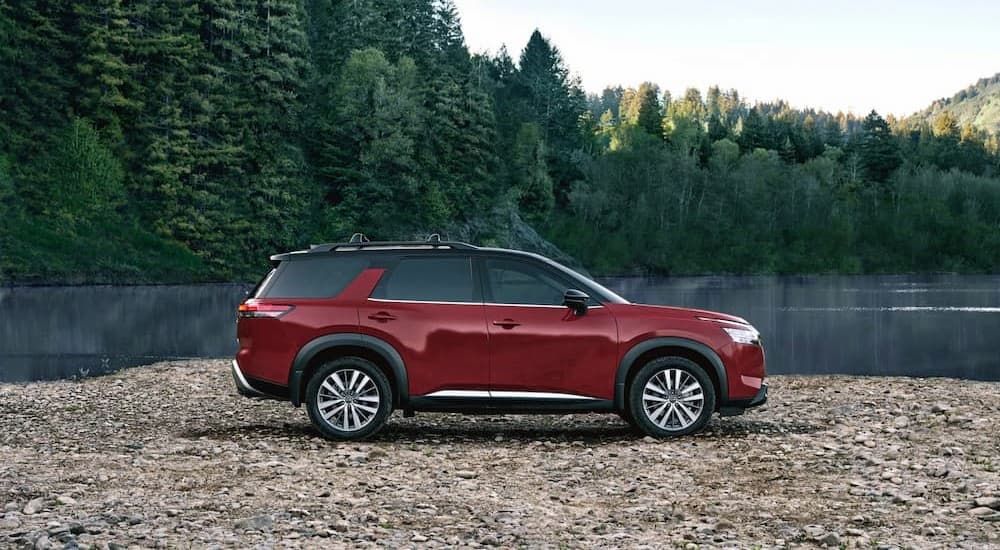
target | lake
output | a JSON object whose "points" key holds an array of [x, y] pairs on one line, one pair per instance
{"points": [[933, 325]]}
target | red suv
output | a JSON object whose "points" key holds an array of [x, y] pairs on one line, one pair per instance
{"points": [[356, 330]]}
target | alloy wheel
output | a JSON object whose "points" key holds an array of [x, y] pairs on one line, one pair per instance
{"points": [[348, 400], [673, 399]]}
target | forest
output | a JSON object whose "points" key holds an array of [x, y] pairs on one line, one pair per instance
{"points": [[177, 141]]}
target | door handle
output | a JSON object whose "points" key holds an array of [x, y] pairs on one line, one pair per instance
{"points": [[382, 316], [507, 323]]}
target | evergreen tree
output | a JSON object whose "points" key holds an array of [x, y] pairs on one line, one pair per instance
{"points": [[530, 174], [878, 150], [649, 117]]}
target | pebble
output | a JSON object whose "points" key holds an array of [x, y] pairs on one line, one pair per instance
{"points": [[65, 500], [988, 502], [830, 539], [34, 506]]}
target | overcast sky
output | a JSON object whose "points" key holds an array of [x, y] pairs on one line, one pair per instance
{"points": [[893, 56]]}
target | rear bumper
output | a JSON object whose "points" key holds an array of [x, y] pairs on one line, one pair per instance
{"points": [[738, 406], [256, 389]]}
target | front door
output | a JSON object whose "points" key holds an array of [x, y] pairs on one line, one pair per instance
{"points": [[539, 348], [430, 309]]}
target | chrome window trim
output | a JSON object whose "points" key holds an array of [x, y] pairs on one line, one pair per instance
{"points": [[424, 302], [386, 300]]}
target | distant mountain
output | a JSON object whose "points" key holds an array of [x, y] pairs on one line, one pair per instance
{"points": [[978, 104]]}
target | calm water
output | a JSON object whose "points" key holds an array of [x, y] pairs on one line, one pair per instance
{"points": [[886, 325]]}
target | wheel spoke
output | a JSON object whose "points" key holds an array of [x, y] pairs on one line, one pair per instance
{"points": [[695, 397], [652, 385], [330, 413], [329, 403], [688, 416], [651, 397]]}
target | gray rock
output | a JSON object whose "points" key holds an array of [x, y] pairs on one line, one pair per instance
{"points": [[901, 421], [988, 502], [830, 539], [419, 538], [256, 523], [34, 506], [466, 474], [65, 500], [981, 511]]}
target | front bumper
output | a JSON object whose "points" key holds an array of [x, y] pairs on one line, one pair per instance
{"points": [[739, 406]]}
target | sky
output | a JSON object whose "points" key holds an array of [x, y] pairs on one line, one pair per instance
{"points": [[848, 55]]}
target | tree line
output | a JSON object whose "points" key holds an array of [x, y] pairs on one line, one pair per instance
{"points": [[176, 141]]}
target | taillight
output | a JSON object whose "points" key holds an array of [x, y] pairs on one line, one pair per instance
{"points": [[251, 309]]}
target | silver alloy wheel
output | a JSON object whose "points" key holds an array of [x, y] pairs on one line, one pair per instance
{"points": [[348, 400], [673, 399]]}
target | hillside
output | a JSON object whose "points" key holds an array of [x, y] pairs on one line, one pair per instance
{"points": [[979, 104]]}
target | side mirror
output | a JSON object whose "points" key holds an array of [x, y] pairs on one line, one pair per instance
{"points": [[576, 300]]}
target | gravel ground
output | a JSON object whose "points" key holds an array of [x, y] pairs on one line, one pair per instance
{"points": [[169, 456]]}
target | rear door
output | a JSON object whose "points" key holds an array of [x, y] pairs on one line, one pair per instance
{"points": [[539, 348], [430, 308]]}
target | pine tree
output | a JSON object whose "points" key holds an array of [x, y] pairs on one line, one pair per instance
{"points": [[878, 150], [104, 75], [649, 116]]}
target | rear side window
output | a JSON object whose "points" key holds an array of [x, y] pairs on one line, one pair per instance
{"points": [[429, 280], [311, 277]]}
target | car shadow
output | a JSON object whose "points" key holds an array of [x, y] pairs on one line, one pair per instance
{"points": [[429, 430]]}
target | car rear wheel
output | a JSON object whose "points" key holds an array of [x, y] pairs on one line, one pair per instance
{"points": [[671, 396], [348, 398]]}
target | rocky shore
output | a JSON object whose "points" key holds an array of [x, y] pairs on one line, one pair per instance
{"points": [[168, 456]]}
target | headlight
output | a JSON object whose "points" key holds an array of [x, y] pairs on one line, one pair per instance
{"points": [[743, 335]]}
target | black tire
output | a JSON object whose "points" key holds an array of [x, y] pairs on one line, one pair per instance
{"points": [[674, 416], [357, 400]]}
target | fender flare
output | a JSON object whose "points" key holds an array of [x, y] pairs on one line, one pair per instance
{"points": [[323, 343], [629, 359]]}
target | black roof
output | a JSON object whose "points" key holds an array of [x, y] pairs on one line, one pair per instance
{"points": [[360, 242]]}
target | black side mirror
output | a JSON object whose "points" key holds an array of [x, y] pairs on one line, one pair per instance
{"points": [[576, 300]]}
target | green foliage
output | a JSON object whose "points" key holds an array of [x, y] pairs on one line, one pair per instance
{"points": [[178, 141], [530, 176], [83, 179]]}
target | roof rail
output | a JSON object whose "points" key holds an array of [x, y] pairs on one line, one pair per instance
{"points": [[359, 241]]}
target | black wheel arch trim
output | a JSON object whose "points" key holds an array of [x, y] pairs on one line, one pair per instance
{"points": [[633, 354], [318, 345]]}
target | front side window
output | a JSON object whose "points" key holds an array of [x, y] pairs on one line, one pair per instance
{"points": [[513, 282], [429, 280]]}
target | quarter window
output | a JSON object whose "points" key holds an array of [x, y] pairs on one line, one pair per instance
{"points": [[513, 282], [429, 280], [311, 277]]}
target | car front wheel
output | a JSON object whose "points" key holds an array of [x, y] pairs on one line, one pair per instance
{"points": [[671, 396], [348, 398]]}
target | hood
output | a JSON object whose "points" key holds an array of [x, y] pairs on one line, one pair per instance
{"points": [[688, 313]]}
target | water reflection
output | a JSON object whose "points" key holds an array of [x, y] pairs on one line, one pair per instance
{"points": [[945, 325], [934, 325]]}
